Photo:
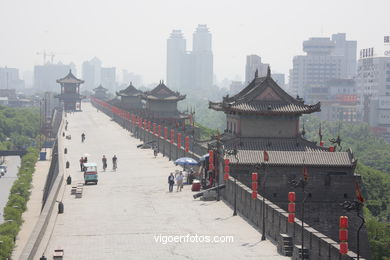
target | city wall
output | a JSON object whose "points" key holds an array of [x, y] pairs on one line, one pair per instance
{"points": [[320, 246]]}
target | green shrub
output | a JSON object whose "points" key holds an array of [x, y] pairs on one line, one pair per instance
{"points": [[17, 201]]}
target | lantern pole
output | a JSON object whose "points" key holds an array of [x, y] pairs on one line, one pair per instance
{"points": [[358, 232], [302, 182], [349, 205], [234, 152], [235, 186], [265, 173]]}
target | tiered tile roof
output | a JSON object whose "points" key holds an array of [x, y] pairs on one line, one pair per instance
{"points": [[130, 91], [70, 79], [162, 92], [264, 96]]}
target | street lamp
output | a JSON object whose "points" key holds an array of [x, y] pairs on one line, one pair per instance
{"points": [[263, 219], [234, 152], [356, 205], [301, 182]]}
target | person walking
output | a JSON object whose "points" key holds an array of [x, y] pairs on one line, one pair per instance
{"points": [[114, 162], [179, 181], [171, 181], [155, 151], [104, 161], [81, 164], [82, 137]]}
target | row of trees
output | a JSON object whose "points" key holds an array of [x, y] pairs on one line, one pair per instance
{"points": [[373, 154], [18, 130]]}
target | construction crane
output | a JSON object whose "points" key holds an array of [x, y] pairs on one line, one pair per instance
{"points": [[46, 54]]}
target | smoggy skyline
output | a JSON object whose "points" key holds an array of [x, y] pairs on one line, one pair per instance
{"points": [[132, 34]]}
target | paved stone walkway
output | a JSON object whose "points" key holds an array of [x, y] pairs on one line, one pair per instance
{"points": [[120, 217]]}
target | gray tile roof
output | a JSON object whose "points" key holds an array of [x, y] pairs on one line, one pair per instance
{"points": [[162, 92], [286, 152], [70, 79], [264, 96], [130, 91]]}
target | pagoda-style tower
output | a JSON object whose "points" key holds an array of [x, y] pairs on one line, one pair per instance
{"points": [[263, 117], [161, 105], [70, 92], [100, 92], [130, 98]]}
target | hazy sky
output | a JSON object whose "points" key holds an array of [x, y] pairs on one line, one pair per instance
{"points": [[132, 34]]}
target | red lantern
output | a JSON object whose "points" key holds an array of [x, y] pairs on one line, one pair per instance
{"points": [[322, 144], [344, 248], [227, 168], [254, 176], [343, 222], [291, 217], [187, 144], [226, 176], [254, 195], [154, 128], [149, 123], [211, 156], [172, 136], [291, 207], [331, 149], [254, 186], [227, 162], [159, 130], [179, 140], [343, 234], [291, 196], [166, 133]]}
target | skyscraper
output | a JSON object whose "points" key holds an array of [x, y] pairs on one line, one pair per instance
{"points": [[92, 73], [45, 76], [190, 71], [373, 83], [108, 78], [202, 58], [9, 79], [253, 63], [347, 50], [176, 51], [325, 59]]}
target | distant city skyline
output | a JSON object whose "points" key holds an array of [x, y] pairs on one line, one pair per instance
{"points": [[273, 30]]}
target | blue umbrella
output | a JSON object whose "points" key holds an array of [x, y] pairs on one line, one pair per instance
{"points": [[203, 158], [183, 161]]}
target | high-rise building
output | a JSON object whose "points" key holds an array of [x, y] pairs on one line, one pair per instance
{"points": [[373, 84], [279, 78], [190, 71], [202, 57], [9, 79], [92, 73], [176, 51], [253, 64], [325, 59], [45, 76], [127, 77], [347, 50], [108, 78]]}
